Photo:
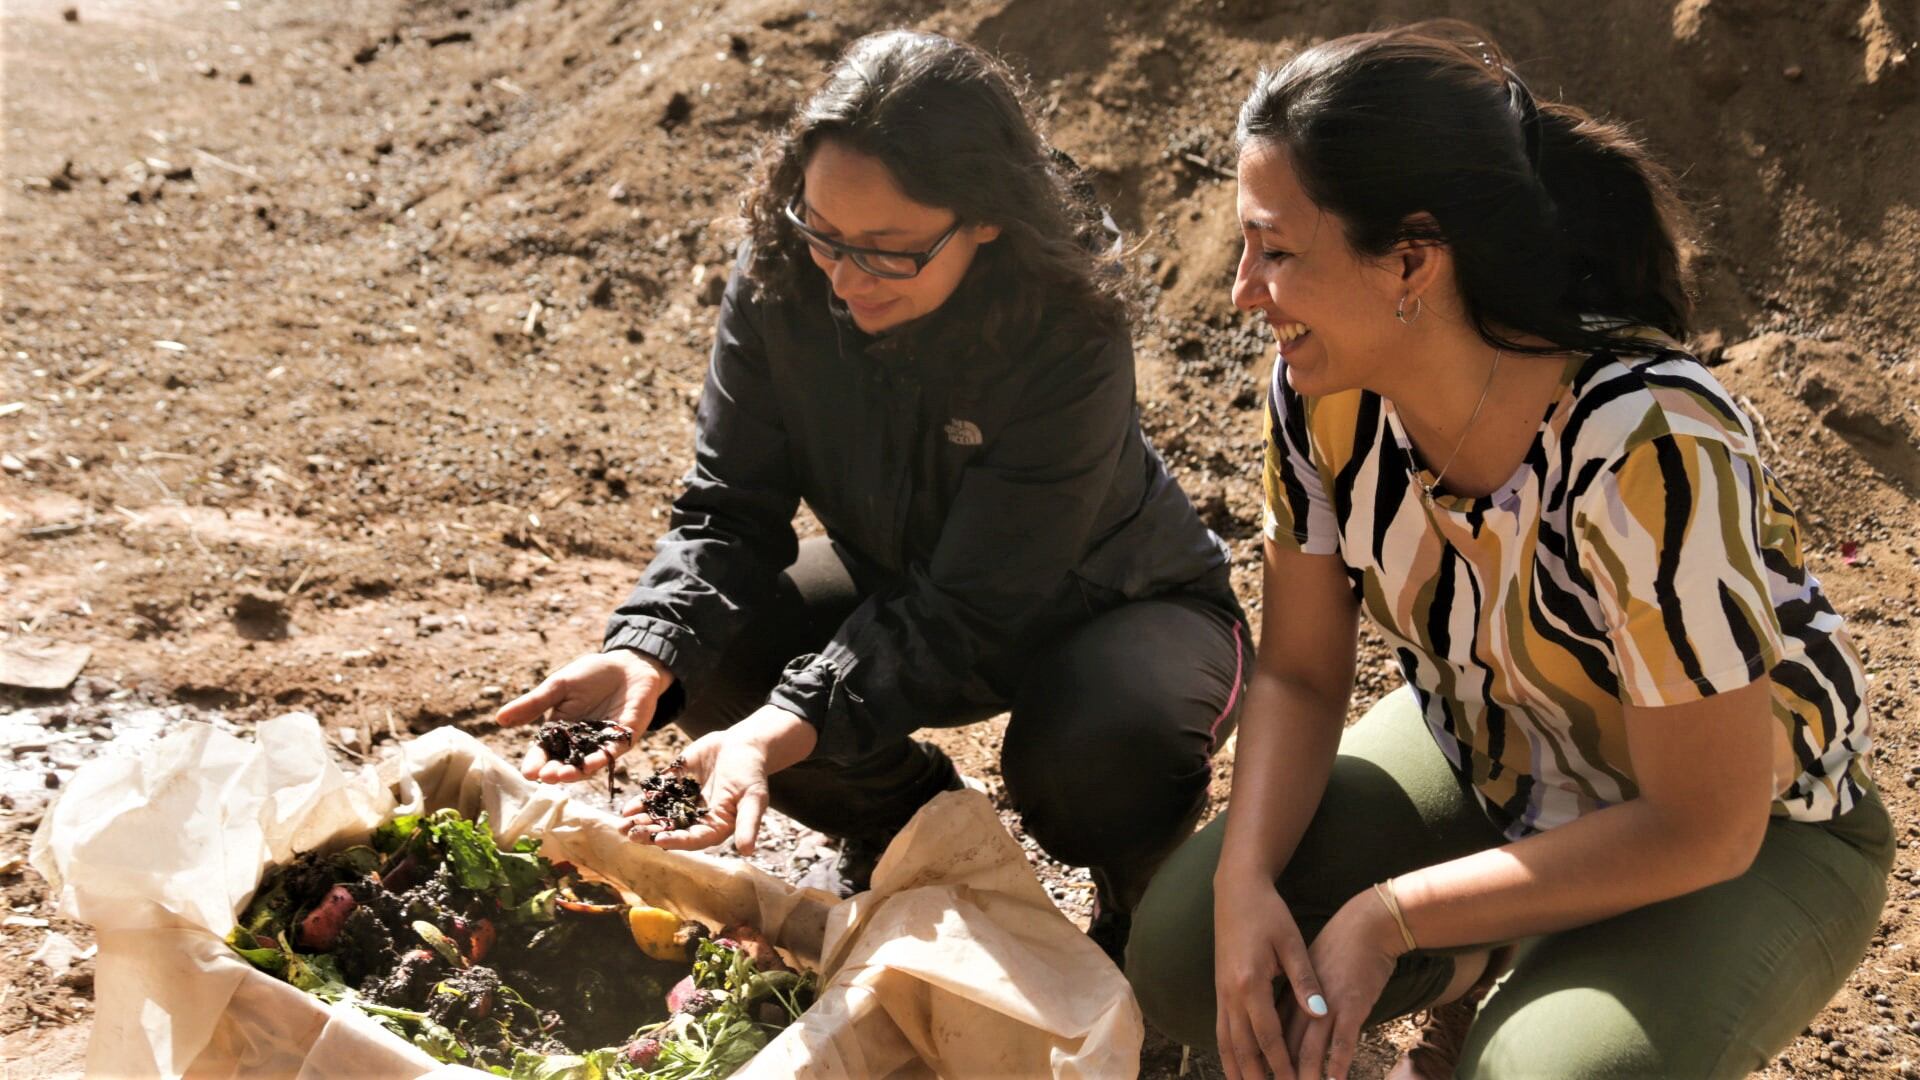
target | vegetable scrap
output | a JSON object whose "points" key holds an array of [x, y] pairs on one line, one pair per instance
{"points": [[496, 958]]}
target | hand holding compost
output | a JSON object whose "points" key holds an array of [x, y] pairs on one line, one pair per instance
{"points": [[499, 959]]}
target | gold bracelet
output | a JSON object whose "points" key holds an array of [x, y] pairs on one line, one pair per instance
{"points": [[1384, 890]]}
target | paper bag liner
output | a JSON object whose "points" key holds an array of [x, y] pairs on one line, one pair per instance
{"points": [[955, 964]]}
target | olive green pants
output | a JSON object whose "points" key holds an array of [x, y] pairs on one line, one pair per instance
{"points": [[1708, 984]]}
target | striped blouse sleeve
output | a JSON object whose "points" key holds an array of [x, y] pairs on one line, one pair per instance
{"points": [[1298, 514], [1670, 538]]}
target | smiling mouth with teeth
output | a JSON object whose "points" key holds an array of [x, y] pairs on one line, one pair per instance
{"points": [[1288, 333]]}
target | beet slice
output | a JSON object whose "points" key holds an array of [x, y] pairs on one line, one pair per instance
{"points": [[321, 927]]}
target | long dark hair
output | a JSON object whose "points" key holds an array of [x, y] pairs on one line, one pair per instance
{"points": [[1425, 133], [948, 121]]}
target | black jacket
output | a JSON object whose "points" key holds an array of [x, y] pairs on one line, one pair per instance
{"points": [[986, 501]]}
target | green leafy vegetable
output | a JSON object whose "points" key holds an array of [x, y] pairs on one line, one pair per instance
{"points": [[389, 837], [268, 959], [440, 1041], [469, 849], [270, 911], [536, 908], [597, 1065], [360, 860], [437, 940], [318, 975]]}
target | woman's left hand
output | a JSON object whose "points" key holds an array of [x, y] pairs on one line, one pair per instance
{"points": [[731, 767], [1354, 956]]}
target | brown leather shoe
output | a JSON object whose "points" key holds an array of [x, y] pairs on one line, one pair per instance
{"points": [[1435, 1053], [1436, 1050]]}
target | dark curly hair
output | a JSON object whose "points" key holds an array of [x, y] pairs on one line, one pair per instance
{"points": [[950, 123], [1425, 133]]}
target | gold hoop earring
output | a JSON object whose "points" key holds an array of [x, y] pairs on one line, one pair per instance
{"points": [[1400, 310]]}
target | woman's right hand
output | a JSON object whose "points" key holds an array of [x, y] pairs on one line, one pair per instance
{"points": [[1255, 942], [620, 687]]}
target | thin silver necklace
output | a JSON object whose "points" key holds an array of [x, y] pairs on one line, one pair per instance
{"points": [[1426, 489]]}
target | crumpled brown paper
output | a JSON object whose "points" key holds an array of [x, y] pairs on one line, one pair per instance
{"points": [[955, 963]]}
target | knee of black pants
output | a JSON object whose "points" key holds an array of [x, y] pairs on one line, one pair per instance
{"points": [[868, 799], [809, 600], [1107, 755]]}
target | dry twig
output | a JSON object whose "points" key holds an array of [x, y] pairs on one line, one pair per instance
{"points": [[222, 163]]}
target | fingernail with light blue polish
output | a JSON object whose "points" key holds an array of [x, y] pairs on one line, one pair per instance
{"points": [[1317, 1005]]}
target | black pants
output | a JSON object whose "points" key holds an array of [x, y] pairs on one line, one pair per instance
{"points": [[1108, 750]]}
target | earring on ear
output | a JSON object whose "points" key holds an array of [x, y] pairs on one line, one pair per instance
{"points": [[1400, 310]]}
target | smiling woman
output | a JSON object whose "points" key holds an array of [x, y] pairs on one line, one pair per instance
{"points": [[911, 136], [925, 340], [1619, 822], [855, 202]]}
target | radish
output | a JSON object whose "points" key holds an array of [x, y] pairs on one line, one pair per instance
{"points": [[680, 994], [321, 927]]}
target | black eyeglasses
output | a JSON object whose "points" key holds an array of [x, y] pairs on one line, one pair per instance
{"points": [[896, 265]]}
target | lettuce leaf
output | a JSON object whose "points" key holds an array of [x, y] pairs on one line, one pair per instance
{"points": [[268, 959], [389, 837], [359, 860], [440, 1041], [470, 850], [318, 975], [535, 908], [479, 864], [271, 909], [524, 873], [598, 1064]]}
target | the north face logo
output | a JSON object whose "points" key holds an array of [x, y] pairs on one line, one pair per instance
{"points": [[963, 433]]}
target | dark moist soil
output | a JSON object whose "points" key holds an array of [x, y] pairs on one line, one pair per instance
{"points": [[595, 977], [672, 799], [348, 353], [573, 741]]}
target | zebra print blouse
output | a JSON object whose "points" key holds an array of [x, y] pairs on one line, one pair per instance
{"points": [[1640, 555]]}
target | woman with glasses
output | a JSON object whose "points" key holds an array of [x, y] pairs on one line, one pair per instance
{"points": [[924, 340], [1618, 823]]}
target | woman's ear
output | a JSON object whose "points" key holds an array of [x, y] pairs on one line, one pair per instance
{"points": [[1423, 262], [984, 234]]}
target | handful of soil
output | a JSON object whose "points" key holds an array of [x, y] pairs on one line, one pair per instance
{"points": [[572, 741], [673, 799]]}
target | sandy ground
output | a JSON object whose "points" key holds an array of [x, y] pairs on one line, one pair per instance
{"points": [[349, 352]]}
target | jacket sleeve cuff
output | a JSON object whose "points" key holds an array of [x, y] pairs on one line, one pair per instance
{"points": [[673, 646], [810, 688]]}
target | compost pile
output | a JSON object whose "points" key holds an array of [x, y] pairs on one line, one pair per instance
{"points": [[499, 959]]}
